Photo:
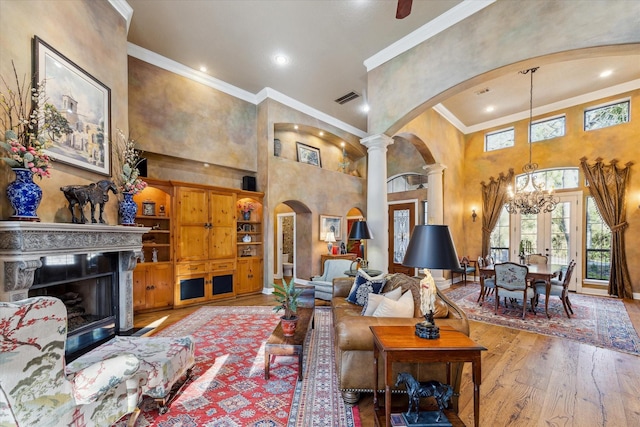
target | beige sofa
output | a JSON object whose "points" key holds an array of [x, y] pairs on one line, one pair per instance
{"points": [[354, 343]]}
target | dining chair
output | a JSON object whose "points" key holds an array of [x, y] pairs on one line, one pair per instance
{"points": [[467, 266], [487, 284], [537, 259], [511, 282], [490, 260], [559, 288]]}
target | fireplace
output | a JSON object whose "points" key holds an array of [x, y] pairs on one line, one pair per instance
{"points": [[89, 266], [87, 284]]}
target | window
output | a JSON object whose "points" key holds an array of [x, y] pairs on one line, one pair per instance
{"points": [[564, 179], [499, 239], [547, 129], [500, 139], [598, 245], [406, 182], [606, 115]]}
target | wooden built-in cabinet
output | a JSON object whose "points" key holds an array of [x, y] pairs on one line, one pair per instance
{"points": [[204, 248], [153, 276]]}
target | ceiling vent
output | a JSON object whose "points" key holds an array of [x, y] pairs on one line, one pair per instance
{"points": [[348, 97]]}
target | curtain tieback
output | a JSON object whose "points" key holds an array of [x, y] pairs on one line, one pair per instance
{"points": [[486, 230], [619, 227]]}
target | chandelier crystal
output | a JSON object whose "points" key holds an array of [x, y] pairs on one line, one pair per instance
{"points": [[531, 197]]}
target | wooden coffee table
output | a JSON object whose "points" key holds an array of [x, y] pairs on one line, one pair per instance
{"points": [[279, 345], [400, 344]]}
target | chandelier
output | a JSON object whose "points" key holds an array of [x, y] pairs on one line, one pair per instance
{"points": [[531, 196]]}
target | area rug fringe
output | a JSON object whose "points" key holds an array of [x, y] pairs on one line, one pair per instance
{"points": [[315, 401], [599, 321]]}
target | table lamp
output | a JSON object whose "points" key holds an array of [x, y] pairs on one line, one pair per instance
{"points": [[330, 238], [430, 246], [360, 231]]}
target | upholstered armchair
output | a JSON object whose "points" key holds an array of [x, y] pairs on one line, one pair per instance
{"points": [[324, 284], [34, 390]]}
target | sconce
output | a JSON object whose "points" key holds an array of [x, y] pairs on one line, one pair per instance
{"points": [[474, 215]]}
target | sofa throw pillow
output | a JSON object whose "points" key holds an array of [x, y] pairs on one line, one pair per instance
{"points": [[363, 285], [374, 300], [401, 308]]}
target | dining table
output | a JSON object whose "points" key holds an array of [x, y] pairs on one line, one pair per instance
{"points": [[536, 273]]}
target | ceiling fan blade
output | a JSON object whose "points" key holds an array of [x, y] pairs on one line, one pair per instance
{"points": [[404, 9]]}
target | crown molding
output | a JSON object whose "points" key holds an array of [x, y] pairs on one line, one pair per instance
{"points": [[268, 92], [123, 9], [437, 25], [255, 99]]}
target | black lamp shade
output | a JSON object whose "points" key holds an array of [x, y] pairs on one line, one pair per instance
{"points": [[359, 230], [431, 246]]}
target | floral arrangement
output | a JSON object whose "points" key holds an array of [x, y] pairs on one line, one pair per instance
{"points": [[130, 176], [30, 125], [247, 207]]}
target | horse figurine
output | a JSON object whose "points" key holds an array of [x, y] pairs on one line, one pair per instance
{"points": [[95, 194], [415, 390]]}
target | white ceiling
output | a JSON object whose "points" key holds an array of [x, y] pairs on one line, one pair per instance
{"points": [[328, 41]]}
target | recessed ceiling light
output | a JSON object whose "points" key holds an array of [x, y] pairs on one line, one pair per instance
{"points": [[295, 127], [489, 109], [366, 108], [281, 59], [203, 69], [606, 73], [321, 133], [342, 144]]}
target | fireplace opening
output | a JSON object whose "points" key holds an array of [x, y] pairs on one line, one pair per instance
{"points": [[86, 283]]}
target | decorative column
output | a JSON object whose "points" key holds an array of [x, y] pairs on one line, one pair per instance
{"points": [[378, 247], [126, 264], [435, 208]]}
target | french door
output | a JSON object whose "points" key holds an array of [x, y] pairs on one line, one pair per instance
{"points": [[556, 234], [402, 219]]}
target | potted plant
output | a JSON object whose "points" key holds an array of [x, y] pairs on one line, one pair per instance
{"points": [[286, 296]]}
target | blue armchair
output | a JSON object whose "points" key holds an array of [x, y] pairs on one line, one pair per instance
{"points": [[324, 284]]}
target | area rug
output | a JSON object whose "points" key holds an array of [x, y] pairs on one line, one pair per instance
{"points": [[228, 388], [598, 321]]}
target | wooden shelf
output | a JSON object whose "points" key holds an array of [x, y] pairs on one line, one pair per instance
{"points": [[156, 245], [249, 243], [152, 217]]}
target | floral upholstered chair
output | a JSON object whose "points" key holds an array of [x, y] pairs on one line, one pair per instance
{"points": [[511, 282], [34, 390]]}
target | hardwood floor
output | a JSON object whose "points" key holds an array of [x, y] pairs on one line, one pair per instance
{"points": [[527, 379]]}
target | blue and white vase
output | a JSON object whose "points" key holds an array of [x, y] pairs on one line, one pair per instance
{"points": [[24, 195], [246, 215], [128, 210]]}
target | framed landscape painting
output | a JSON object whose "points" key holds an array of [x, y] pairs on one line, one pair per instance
{"points": [[308, 154], [85, 104], [330, 224]]}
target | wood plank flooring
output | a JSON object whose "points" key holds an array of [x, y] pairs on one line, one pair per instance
{"points": [[527, 379]]}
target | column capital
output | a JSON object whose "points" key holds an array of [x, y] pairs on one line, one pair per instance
{"points": [[376, 141], [435, 168]]}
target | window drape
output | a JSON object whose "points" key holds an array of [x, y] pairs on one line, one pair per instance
{"points": [[494, 196], [607, 185]]}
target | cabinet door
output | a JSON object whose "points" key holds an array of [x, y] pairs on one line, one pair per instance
{"points": [[223, 210], [139, 288], [249, 275], [222, 240], [193, 217], [160, 281]]}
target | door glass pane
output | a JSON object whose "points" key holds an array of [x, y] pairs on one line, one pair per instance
{"points": [[529, 233], [560, 233], [400, 234]]}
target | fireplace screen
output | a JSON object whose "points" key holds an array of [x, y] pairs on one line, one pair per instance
{"points": [[87, 285]]}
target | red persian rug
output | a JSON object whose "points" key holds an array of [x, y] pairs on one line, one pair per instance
{"points": [[228, 388], [599, 321]]}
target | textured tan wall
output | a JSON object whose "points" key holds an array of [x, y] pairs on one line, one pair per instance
{"points": [[615, 142], [490, 41], [179, 117], [87, 32], [315, 191]]}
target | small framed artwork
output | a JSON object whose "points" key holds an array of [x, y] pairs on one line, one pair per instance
{"points": [[85, 105], [308, 154], [330, 224], [149, 208]]}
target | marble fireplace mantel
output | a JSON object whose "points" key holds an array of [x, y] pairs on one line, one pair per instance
{"points": [[23, 244]]}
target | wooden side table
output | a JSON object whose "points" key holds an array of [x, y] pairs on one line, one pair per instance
{"points": [[400, 344]]}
